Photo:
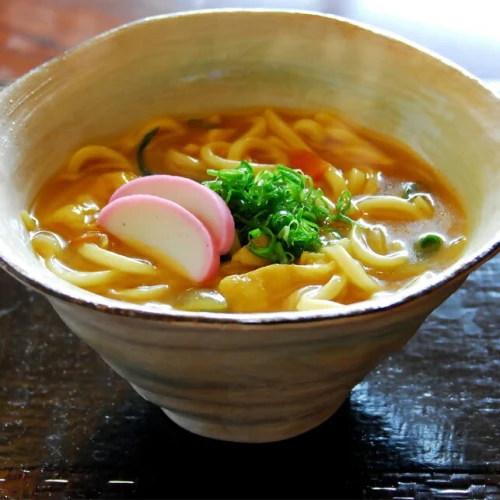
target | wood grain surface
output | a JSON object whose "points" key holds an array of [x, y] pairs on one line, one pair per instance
{"points": [[33, 31]]}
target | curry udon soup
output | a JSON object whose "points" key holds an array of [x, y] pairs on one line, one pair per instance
{"points": [[249, 211]]}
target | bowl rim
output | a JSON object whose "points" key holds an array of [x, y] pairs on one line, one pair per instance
{"points": [[359, 310]]}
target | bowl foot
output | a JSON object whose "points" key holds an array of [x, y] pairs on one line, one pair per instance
{"points": [[255, 433]]}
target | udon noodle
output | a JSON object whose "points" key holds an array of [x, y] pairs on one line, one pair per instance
{"points": [[401, 221]]}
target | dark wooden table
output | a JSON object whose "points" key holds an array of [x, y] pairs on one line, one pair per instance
{"points": [[425, 424]]}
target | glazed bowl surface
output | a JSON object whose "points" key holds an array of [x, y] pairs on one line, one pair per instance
{"points": [[263, 376]]}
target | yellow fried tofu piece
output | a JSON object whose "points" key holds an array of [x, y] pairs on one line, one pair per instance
{"points": [[265, 289], [308, 258], [246, 258]]}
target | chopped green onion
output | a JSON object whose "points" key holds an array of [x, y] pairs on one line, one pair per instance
{"points": [[140, 151], [278, 213], [413, 188], [429, 243], [342, 206]]}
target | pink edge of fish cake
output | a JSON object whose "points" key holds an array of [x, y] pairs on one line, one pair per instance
{"points": [[200, 200], [165, 231]]}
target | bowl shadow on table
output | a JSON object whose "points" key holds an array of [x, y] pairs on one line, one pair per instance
{"points": [[331, 460]]}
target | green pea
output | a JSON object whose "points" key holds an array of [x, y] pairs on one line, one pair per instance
{"points": [[429, 243]]}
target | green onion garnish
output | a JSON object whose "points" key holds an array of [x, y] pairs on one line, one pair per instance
{"points": [[140, 151], [412, 188], [342, 206], [278, 213]]}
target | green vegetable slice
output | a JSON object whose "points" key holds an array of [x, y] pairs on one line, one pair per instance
{"points": [[413, 188], [140, 151]]}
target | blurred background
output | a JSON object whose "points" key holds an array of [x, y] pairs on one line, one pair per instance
{"points": [[467, 32]]}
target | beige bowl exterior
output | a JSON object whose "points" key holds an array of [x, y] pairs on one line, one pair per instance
{"points": [[237, 377]]}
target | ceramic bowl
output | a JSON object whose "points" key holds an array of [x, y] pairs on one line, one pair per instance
{"points": [[247, 377]]}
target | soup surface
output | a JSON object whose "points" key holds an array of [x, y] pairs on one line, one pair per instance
{"points": [[320, 213]]}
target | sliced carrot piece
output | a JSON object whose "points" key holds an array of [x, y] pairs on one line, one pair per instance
{"points": [[310, 163]]}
